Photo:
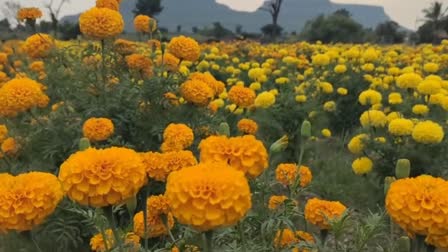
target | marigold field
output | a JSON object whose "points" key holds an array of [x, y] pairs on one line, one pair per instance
{"points": [[115, 145]]}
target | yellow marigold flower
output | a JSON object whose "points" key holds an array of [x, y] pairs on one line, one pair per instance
{"points": [[160, 165], [29, 14], [326, 133], [169, 61], [429, 87], [245, 153], [184, 48], [37, 66], [98, 129], [158, 209], [370, 97], [373, 118], [357, 143], [208, 196], [428, 132], [301, 98], [217, 86], [330, 106], [145, 24], [409, 80], [110, 4], [196, 92], [326, 87], [362, 165], [321, 60], [242, 96], [264, 100], [275, 201], [97, 242], [38, 45], [20, 95], [286, 173], [305, 176], [401, 127], [9, 146], [3, 132], [177, 137], [319, 212], [102, 177], [420, 109], [28, 199], [282, 80], [101, 23], [431, 67], [342, 91], [340, 69], [419, 205], [247, 126], [395, 98]]}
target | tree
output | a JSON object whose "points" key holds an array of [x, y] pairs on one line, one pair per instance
{"points": [[337, 27], [272, 30], [55, 7], [434, 18], [148, 7], [9, 10], [389, 33], [273, 7]]}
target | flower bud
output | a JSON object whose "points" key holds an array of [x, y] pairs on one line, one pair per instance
{"points": [[387, 182], [404, 244], [403, 168], [224, 129], [306, 129], [279, 145], [84, 144]]}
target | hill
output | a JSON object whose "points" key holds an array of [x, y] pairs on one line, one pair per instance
{"points": [[293, 17]]}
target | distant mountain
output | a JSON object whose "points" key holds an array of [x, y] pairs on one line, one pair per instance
{"points": [[293, 16]]}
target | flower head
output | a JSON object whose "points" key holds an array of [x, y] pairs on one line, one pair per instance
{"points": [[401, 127], [184, 48], [264, 100], [110, 4], [242, 96], [39, 45], [29, 14], [362, 165], [177, 137], [275, 201], [160, 165], [247, 126], [101, 23], [98, 129], [319, 212], [428, 132], [373, 118], [97, 242], [158, 212], [196, 92], [145, 24]]}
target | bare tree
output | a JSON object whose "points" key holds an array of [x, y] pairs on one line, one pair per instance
{"points": [[55, 7], [9, 10], [273, 7]]}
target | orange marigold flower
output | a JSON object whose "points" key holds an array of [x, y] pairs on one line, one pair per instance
{"points": [[9, 146], [124, 47], [39, 45], [184, 48], [438, 241], [286, 173], [21, 94], [110, 4], [208, 196], [275, 201], [28, 199], [242, 96], [305, 176], [160, 165], [247, 126], [101, 23], [196, 92], [139, 62], [169, 61], [102, 177], [29, 14], [285, 238], [131, 242], [158, 209], [98, 129], [419, 205], [145, 24], [245, 153], [177, 137], [319, 212], [217, 86]]}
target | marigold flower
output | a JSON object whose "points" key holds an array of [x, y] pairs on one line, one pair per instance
{"points": [[160, 165], [428, 132], [431, 67], [420, 109], [102, 177], [318, 212], [217, 86], [370, 97], [98, 129], [131, 241], [401, 127], [409, 80], [321, 60], [29, 13], [275, 201], [419, 205], [196, 92], [169, 61], [158, 211], [247, 126], [28, 199], [373, 118], [429, 87], [9, 146], [286, 173], [101, 23], [177, 137], [305, 176], [438, 241], [242, 96], [208, 196], [3, 132], [184, 48], [330, 106], [124, 47], [245, 153], [362, 165], [139, 62], [264, 100], [144, 24], [287, 238], [38, 45], [20, 95], [110, 4]]}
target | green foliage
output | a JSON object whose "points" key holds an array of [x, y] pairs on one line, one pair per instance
{"points": [[148, 7]]}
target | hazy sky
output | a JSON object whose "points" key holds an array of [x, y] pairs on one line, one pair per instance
{"points": [[405, 12]]}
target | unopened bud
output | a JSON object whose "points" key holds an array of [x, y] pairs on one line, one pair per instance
{"points": [[84, 144], [404, 244], [224, 129], [387, 182], [403, 169], [306, 129], [279, 145]]}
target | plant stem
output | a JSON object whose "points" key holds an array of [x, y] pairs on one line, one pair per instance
{"points": [[105, 238], [242, 238], [323, 236], [208, 241], [108, 212], [35, 243], [145, 215]]}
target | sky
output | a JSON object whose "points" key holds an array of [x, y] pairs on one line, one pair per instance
{"points": [[405, 12]]}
